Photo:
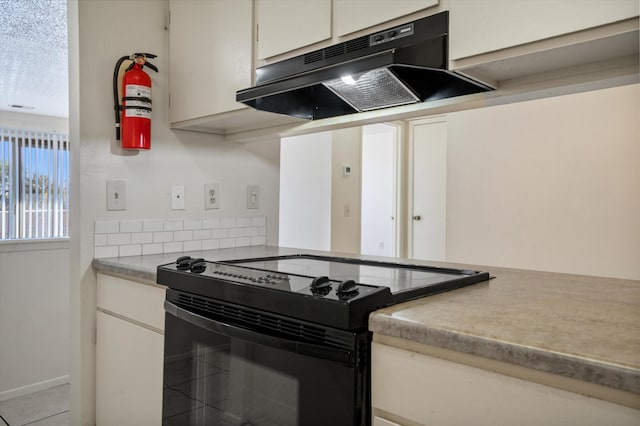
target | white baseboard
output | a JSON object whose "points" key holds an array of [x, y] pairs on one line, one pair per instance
{"points": [[35, 387]]}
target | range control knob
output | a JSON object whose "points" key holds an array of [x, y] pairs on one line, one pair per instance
{"points": [[347, 287], [320, 282], [198, 266], [321, 286], [183, 263]]}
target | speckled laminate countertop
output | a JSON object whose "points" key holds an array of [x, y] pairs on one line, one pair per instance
{"points": [[580, 327]]}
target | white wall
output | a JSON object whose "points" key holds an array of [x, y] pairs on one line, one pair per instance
{"points": [[108, 30], [34, 317], [41, 123], [345, 190], [305, 191], [34, 302], [550, 184]]}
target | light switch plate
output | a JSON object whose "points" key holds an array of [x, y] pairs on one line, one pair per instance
{"points": [[253, 196], [116, 195], [177, 197], [211, 196]]}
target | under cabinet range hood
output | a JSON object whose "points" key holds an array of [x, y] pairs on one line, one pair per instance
{"points": [[401, 65]]}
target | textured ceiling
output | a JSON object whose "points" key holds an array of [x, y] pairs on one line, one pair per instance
{"points": [[33, 57]]}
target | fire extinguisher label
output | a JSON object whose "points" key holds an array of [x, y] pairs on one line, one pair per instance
{"points": [[137, 112], [138, 91]]}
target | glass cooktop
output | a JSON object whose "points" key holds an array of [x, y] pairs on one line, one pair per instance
{"points": [[397, 277]]}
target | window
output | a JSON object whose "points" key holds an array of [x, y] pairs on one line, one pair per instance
{"points": [[34, 185]]}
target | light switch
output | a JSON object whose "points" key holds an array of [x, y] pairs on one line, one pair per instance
{"points": [[253, 196], [116, 195]]}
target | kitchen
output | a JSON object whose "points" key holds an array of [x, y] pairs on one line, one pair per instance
{"points": [[218, 158]]}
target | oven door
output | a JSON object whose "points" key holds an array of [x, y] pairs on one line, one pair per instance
{"points": [[220, 372]]}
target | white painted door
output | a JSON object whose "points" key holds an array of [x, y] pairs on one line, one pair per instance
{"points": [[428, 184], [379, 171]]}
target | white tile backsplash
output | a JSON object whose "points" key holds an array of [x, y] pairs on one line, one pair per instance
{"points": [[162, 237], [118, 239], [210, 244], [142, 237], [243, 242], [228, 222], [107, 227], [152, 249], [243, 222], [192, 245], [131, 226], [100, 240], [174, 225], [227, 242], [105, 251], [152, 225], [234, 233], [183, 236], [130, 250], [192, 224], [219, 233], [201, 234], [134, 237], [259, 221], [174, 247], [211, 223]]}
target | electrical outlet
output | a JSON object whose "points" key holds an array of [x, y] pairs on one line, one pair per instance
{"points": [[177, 197], [253, 196], [211, 196], [116, 195]]}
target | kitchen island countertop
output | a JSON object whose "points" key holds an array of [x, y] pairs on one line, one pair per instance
{"points": [[581, 329]]}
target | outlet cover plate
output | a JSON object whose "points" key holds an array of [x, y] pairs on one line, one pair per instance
{"points": [[177, 197], [211, 196]]}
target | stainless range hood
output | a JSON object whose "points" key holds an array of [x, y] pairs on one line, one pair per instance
{"points": [[401, 65]]}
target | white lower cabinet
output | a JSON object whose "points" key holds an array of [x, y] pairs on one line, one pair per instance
{"points": [[129, 353], [411, 388]]}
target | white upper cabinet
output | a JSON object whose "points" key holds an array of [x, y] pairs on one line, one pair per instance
{"points": [[211, 50], [481, 26], [356, 15], [286, 25]]}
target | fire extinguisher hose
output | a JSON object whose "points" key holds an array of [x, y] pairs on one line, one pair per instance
{"points": [[116, 102]]}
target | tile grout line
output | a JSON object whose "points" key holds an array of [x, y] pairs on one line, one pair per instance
{"points": [[46, 417]]}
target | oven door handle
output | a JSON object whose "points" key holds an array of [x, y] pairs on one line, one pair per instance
{"points": [[317, 351]]}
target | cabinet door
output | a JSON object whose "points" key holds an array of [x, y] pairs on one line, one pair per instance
{"points": [[210, 56], [129, 360], [433, 391], [285, 25], [356, 15], [481, 26]]}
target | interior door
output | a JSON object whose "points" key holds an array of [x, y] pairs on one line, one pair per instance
{"points": [[378, 195], [428, 183]]}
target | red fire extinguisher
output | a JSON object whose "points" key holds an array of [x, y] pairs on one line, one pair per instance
{"points": [[133, 116]]}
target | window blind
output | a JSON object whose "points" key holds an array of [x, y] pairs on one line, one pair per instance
{"points": [[34, 182]]}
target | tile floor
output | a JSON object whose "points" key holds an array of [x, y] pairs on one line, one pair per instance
{"points": [[49, 407]]}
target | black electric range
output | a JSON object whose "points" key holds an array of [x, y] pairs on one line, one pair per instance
{"points": [[280, 340], [332, 291]]}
